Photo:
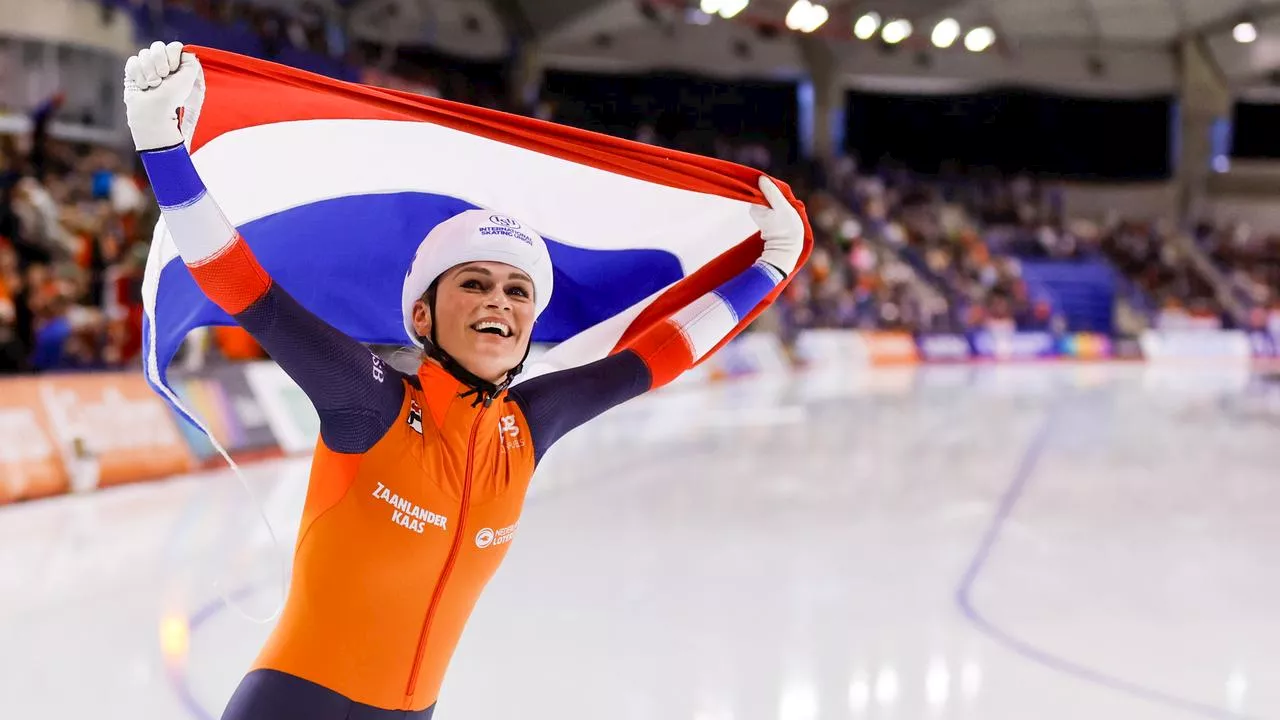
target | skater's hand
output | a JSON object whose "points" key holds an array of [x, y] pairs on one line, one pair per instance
{"points": [[781, 228], [157, 81]]}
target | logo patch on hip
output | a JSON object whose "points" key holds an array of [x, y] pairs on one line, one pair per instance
{"points": [[488, 537]]}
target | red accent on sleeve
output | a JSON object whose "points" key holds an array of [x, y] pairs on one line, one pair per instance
{"points": [[665, 350], [232, 278]]}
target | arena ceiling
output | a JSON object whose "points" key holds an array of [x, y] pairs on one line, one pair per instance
{"points": [[1098, 46]]}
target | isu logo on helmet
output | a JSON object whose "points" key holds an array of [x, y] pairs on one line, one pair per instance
{"points": [[505, 227]]}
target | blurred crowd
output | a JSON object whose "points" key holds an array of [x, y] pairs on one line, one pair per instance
{"points": [[1158, 260], [307, 26], [893, 250], [72, 253], [1251, 262], [965, 238], [936, 239]]}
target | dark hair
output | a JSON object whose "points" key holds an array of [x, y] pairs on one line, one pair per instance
{"points": [[428, 297]]}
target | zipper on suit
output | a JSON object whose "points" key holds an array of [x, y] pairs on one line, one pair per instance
{"points": [[448, 563]]}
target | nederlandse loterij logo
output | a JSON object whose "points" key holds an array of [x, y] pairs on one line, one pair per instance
{"points": [[407, 514], [488, 537]]}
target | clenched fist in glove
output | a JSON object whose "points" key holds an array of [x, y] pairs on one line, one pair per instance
{"points": [[780, 227], [157, 81]]}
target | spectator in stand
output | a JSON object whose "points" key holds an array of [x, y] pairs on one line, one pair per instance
{"points": [[1251, 263], [1150, 254], [13, 303]]}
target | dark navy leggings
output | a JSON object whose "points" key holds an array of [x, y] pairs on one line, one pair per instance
{"points": [[273, 695]]}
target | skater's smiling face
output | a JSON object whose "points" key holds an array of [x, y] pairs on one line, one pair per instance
{"points": [[484, 316]]}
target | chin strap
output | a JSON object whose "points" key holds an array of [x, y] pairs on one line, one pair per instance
{"points": [[484, 390]]}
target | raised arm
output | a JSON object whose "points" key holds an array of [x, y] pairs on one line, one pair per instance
{"points": [[356, 396], [558, 402]]}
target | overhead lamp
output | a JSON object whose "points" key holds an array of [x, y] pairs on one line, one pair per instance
{"points": [[895, 31], [806, 16], [798, 13], [945, 33], [866, 26], [1245, 32], [979, 39], [724, 8], [816, 18], [732, 7]]}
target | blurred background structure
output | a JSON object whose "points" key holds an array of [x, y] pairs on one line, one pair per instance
{"points": [[1094, 166]]}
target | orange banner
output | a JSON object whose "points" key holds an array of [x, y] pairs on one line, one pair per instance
{"points": [[113, 427], [891, 348], [30, 460], [61, 433]]}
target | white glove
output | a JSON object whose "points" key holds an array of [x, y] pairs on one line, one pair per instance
{"points": [[780, 227], [157, 81]]}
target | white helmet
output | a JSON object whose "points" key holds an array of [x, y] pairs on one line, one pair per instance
{"points": [[477, 236]]}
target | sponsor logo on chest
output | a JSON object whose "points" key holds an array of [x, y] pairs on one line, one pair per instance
{"points": [[509, 433], [407, 514]]}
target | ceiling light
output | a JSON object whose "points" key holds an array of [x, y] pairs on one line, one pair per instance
{"points": [[797, 14], [1245, 32], [806, 16], [979, 39], [866, 26], [729, 8], [895, 31], [817, 16], [945, 33]]}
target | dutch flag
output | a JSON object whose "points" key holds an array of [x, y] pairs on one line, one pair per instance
{"points": [[333, 185]]}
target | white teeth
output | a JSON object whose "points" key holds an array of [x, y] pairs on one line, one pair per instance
{"points": [[506, 331]]}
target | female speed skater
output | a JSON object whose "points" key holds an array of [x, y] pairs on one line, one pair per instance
{"points": [[418, 481]]}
